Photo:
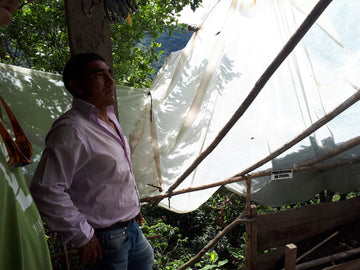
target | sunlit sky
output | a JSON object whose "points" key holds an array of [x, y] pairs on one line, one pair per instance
{"points": [[190, 17]]}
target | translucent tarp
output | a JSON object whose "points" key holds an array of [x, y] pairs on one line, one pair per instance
{"points": [[199, 89]]}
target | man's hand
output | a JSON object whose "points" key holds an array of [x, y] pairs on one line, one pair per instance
{"points": [[139, 219], [90, 252]]}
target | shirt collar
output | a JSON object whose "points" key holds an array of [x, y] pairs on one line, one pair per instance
{"points": [[89, 110]]}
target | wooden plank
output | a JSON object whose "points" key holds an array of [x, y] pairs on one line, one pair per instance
{"points": [[290, 257], [293, 225]]}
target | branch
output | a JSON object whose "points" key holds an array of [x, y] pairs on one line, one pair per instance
{"points": [[212, 243]]}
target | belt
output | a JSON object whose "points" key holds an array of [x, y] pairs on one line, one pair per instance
{"points": [[117, 225]]}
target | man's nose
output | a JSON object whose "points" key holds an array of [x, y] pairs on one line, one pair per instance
{"points": [[109, 77]]}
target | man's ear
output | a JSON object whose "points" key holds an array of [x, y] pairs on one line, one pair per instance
{"points": [[75, 86]]}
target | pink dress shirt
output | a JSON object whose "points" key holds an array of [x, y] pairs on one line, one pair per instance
{"points": [[84, 179]]}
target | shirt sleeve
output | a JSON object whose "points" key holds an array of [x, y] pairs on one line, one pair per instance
{"points": [[64, 154]]}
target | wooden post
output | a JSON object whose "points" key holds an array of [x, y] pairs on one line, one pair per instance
{"points": [[251, 241], [290, 257], [248, 196], [89, 29], [251, 230]]}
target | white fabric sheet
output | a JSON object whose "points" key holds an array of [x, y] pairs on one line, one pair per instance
{"points": [[199, 88]]}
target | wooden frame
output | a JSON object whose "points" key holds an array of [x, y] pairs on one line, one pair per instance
{"points": [[290, 226]]}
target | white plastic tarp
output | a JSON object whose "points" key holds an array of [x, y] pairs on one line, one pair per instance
{"points": [[199, 88]]}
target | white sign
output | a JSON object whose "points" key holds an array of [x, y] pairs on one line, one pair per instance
{"points": [[282, 174]]}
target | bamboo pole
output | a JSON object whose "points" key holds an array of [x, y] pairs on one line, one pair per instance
{"points": [[316, 247], [331, 166], [240, 176], [248, 196], [286, 50], [234, 179], [322, 121], [212, 243], [324, 260], [340, 149], [353, 264]]}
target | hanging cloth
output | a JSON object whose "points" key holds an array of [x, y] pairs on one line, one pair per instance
{"points": [[20, 150]]}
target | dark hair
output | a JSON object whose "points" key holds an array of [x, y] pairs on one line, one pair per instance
{"points": [[74, 68]]}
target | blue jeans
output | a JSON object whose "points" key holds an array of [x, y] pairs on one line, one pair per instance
{"points": [[124, 248]]}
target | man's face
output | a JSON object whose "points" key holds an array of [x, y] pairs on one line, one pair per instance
{"points": [[98, 85]]}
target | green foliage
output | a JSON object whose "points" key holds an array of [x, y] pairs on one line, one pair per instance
{"points": [[197, 229], [132, 52], [239, 252], [211, 261], [168, 244], [172, 250], [38, 38]]}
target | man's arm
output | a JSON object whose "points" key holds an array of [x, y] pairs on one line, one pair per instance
{"points": [[139, 219], [65, 152]]}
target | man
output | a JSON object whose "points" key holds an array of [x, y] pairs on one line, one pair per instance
{"points": [[84, 185], [23, 245]]}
